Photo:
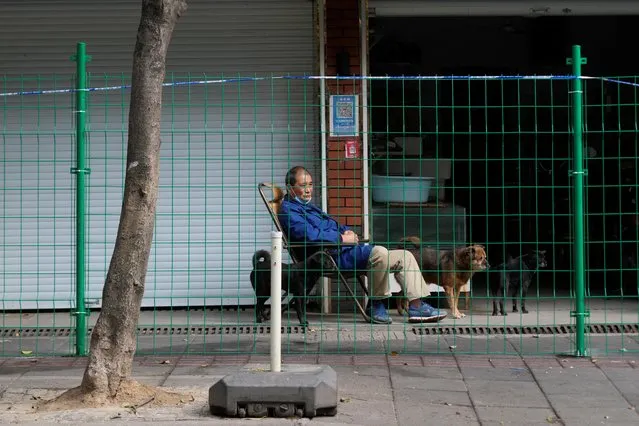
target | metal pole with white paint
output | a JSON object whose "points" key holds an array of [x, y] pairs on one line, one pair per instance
{"points": [[300, 390], [322, 73], [276, 301], [326, 300], [363, 43]]}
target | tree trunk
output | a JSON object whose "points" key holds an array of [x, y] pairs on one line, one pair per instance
{"points": [[113, 341]]}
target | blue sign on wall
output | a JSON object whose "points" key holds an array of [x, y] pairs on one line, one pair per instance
{"points": [[344, 116]]}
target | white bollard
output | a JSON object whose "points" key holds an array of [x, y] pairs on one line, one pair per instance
{"points": [[276, 301]]}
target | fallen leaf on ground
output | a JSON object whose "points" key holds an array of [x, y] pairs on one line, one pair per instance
{"points": [[133, 408]]}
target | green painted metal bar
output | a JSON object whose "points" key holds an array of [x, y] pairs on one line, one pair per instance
{"points": [[80, 171], [579, 210]]}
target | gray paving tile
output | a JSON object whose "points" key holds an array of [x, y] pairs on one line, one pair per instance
{"points": [[362, 370], [573, 388], [412, 413], [428, 372], [506, 394], [624, 374], [417, 378], [629, 390], [588, 398], [428, 384], [362, 411], [480, 344], [598, 416], [530, 345], [46, 382], [190, 381], [418, 396], [369, 387], [205, 371], [518, 374], [515, 416]]}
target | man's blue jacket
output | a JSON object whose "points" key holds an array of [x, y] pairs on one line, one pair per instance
{"points": [[308, 223]]}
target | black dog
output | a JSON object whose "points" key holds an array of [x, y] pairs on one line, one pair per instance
{"points": [[516, 273], [296, 279]]}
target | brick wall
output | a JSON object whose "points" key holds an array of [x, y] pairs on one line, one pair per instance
{"points": [[344, 176]]}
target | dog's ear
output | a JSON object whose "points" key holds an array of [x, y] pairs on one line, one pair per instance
{"points": [[415, 241], [542, 252], [477, 248], [470, 253]]}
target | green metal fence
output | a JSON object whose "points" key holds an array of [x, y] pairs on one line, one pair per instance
{"points": [[504, 152]]}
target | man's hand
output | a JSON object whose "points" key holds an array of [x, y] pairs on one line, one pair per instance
{"points": [[350, 237]]}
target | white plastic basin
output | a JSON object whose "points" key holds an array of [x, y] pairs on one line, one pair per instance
{"points": [[401, 189]]}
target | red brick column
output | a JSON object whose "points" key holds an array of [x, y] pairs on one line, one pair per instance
{"points": [[345, 192]]}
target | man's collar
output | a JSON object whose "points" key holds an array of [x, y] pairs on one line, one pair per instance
{"points": [[290, 199]]}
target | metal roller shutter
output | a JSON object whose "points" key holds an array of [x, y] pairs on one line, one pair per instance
{"points": [[218, 141]]}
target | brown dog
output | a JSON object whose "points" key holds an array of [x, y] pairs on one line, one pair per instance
{"points": [[451, 269]]}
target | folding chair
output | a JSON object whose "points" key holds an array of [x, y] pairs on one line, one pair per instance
{"points": [[273, 206]]}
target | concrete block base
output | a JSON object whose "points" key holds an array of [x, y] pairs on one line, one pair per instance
{"points": [[255, 391]]}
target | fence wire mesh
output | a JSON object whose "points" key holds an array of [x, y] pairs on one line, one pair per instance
{"points": [[453, 161]]}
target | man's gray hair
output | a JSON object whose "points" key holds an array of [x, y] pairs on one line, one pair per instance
{"points": [[291, 175]]}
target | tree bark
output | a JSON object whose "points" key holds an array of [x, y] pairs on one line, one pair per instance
{"points": [[113, 341]]}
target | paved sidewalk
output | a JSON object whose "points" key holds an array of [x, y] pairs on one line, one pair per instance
{"points": [[373, 389]]}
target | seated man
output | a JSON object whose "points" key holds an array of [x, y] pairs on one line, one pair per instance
{"points": [[305, 222]]}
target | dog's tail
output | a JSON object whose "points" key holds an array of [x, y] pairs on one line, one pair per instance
{"points": [[261, 256], [415, 241]]}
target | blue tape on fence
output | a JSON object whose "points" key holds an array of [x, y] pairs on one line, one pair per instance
{"points": [[128, 86], [350, 78], [612, 80]]}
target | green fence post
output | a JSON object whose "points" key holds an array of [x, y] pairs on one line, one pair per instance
{"points": [[578, 173], [80, 171]]}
